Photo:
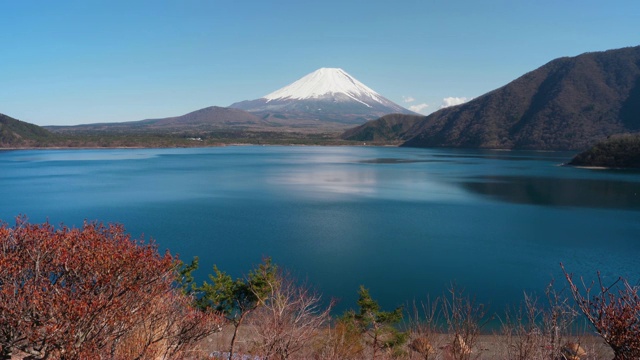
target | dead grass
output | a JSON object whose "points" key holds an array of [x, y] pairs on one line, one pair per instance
{"points": [[487, 347]]}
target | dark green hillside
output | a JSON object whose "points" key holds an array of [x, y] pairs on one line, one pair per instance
{"points": [[569, 103], [389, 128], [16, 133], [620, 151]]}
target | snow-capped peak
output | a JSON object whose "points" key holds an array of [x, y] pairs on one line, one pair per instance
{"points": [[326, 82]]}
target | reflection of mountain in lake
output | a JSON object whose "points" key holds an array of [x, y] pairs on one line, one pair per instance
{"points": [[558, 192]]}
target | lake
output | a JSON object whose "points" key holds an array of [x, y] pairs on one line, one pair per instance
{"points": [[403, 222]]}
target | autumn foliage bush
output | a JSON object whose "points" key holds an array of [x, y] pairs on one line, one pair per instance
{"points": [[92, 293], [614, 312]]}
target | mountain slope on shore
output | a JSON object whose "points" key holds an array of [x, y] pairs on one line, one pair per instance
{"points": [[389, 128], [569, 103], [16, 133], [619, 151]]}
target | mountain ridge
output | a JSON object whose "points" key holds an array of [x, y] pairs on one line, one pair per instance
{"points": [[327, 94], [328, 99], [205, 119], [568, 103]]}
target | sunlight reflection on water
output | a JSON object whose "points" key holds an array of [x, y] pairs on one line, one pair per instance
{"points": [[404, 222]]}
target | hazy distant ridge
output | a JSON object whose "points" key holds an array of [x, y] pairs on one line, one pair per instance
{"points": [[207, 119]]}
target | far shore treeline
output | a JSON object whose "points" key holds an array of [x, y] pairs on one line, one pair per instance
{"points": [[570, 103], [616, 151]]}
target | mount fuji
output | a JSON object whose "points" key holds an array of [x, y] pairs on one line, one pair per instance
{"points": [[326, 95], [325, 100]]}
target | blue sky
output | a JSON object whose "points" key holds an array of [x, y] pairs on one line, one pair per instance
{"points": [[72, 62]]}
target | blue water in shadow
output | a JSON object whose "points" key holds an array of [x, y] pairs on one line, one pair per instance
{"points": [[403, 222]]}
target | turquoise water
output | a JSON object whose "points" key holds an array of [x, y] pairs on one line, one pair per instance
{"points": [[403, 222]]}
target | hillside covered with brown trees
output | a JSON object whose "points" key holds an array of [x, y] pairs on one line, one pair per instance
{"points": [[568, 104]]}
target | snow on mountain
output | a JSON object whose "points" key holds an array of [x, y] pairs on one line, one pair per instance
{"points": [[327, 81], [327, 94]]}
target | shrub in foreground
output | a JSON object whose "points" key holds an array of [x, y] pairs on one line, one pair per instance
{"points": [[236, 299], [91, 293], [376, 326], [614, 312], [289, 319]]}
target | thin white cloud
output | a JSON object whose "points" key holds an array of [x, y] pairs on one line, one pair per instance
{"points": [[408, 99], [419, 108], [452, 101]]}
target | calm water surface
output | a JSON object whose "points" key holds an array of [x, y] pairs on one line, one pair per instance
{"points": [[403, 222]]}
